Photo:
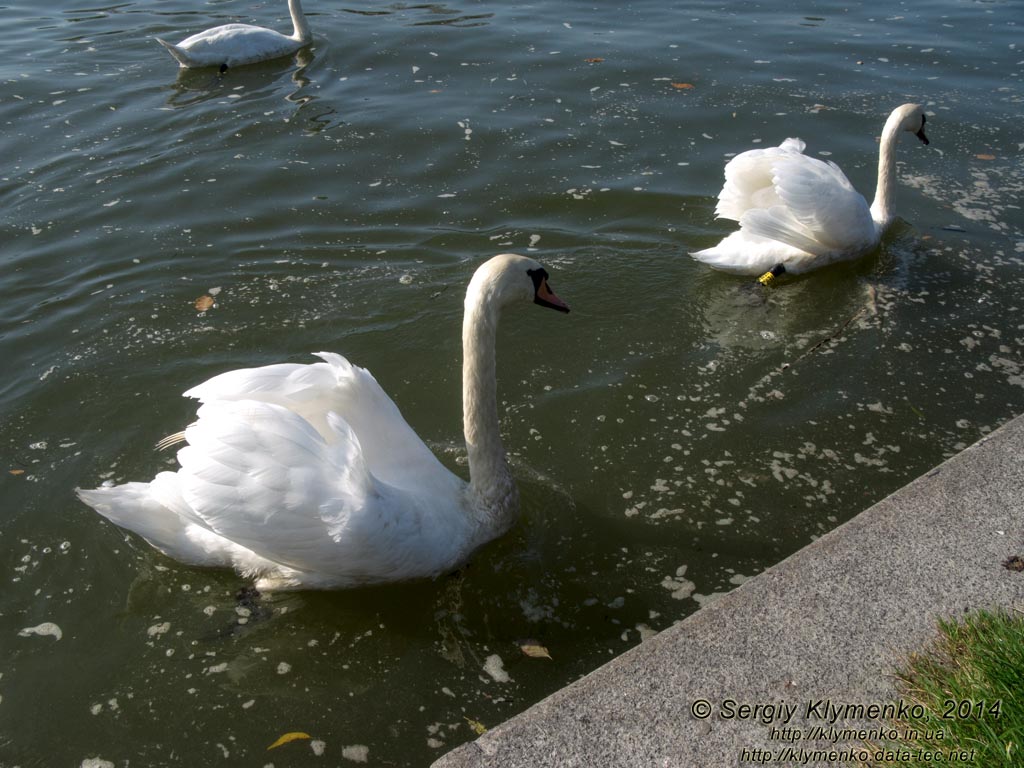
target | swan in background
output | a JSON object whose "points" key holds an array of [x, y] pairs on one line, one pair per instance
{"points": [[798, 213], [308, 476], [233, 45]]}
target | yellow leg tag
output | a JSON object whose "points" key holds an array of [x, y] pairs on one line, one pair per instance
{"points": [[771, 274]]}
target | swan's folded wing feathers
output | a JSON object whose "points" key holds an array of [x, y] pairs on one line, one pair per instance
{"points": [[749, 180], [777, 223], [269, 383], [311, 391], [824, 202], [259, 475], [391, 449]]}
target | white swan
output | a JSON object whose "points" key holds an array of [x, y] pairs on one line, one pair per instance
{"points": [[232, 45], [308, 476], [797, 213]]}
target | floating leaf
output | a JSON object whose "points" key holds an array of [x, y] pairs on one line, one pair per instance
{"points": [[682, 86], [292, 736], [594, 60], [986, 157], [16, 471], [534, 650], [478, 728], [204, 302]]}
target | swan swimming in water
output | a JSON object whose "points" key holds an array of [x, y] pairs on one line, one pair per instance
{"points": [[232, 45], [798, 213], [307, 476]]}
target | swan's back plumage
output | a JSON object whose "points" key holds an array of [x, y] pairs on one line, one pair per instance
{"points": [[231, 45], [391, 448]]}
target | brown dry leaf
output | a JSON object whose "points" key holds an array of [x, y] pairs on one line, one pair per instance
{"points": [[534, 650], [594, 60], [478, 728], [285, 738], [682, 86], [204, 302], [986, 157], [16, 471]]}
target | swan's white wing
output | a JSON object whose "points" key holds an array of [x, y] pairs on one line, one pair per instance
{"points": [[259, 475], [819, 210], [392, 451], [749, 180]]}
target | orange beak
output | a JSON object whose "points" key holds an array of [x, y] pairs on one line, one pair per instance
{"points": [[547, 298]]}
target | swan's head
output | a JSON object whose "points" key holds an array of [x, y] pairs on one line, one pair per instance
{"points": [[508, 278], [911, 118]]}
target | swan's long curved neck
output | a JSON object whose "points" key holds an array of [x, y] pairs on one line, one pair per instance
{"points": [[492, 490], [300, 27], [881, 208]]}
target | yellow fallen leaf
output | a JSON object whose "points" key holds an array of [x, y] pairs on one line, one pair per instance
{"points": [[534, 650], [289, 737], [682, 86], [478, 728], [986, 157], [204, 302], [16, 471]]}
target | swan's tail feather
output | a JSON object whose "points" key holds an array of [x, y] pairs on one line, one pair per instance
{"points": [[120, 504], [728, 259], [713, 257], [138, 508], [735, 254], [742, 253], [180, 54]]}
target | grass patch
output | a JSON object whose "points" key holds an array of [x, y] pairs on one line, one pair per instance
{"points": [[970, 690]]}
